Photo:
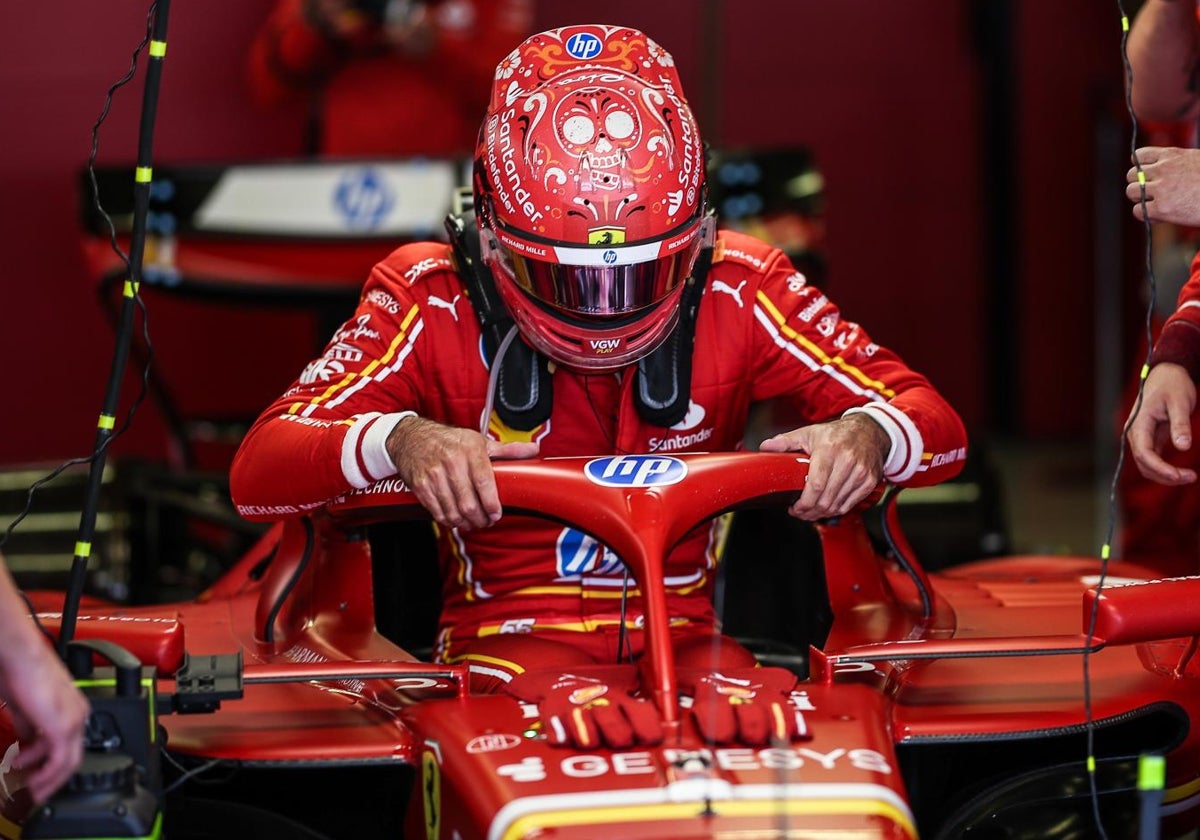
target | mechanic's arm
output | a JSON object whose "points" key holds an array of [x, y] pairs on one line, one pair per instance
{"points": [[1164, 50], [47, 710], [450, 470], [1164, 54]]}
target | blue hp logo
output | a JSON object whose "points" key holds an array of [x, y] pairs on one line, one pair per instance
{"points": [[583, 45], [362, 199], [610, 256], [636, 471]]}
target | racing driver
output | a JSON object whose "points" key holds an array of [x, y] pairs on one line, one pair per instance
{"points": [[588, 307]]}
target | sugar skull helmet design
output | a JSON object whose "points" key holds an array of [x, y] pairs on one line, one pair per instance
{"points": [[589, 192]]}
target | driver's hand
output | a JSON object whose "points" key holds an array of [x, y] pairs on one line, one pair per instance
{"points": [[449, 469], [1164, 418], [750, 706], [846, 459], [590, 706]]}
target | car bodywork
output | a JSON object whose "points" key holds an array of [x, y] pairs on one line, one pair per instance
{"points": [[1002, 698]]}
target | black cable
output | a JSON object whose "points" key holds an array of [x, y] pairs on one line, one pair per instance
{"points": [[1106, 549], [103, 445], [91, 170], [156, 50], [622, 634], [887, 510], [268, 631], [195, 771]]}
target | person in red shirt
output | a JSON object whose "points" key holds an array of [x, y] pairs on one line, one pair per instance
{"points": [[1159, 514], [623, 322], [390, 78]]}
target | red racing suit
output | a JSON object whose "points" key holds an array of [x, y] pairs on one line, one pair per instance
{"points": [[1160, 524], [1179, 341], [414, 346]]}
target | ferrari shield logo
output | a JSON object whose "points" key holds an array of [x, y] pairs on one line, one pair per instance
{"points": [[606, 236], [431, 791]]}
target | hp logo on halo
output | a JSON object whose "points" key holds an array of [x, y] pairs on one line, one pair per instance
{"points": [[583, 45], [610, 256], [636, 471], [362, 198]]}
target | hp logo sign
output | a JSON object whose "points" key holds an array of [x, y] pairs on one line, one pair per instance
{"points": [[636, 471], [583, 45], [610, 256], [363, 199]]}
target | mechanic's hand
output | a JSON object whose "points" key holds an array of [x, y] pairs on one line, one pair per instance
{"points": [[744, 705], [344, 21], [1172, 185], [450, 470], [48, 713], [410, 32], [1165, 416], [589, 706], [845, 463]]}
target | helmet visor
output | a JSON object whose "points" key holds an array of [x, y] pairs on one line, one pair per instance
{"points": [[602, 291]]}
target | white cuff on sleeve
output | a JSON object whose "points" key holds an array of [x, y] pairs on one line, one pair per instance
{"points": [[904, 457], [365, 458]]}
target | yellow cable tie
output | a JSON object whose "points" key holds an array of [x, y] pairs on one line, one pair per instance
{"points": [[158, 49], [107, 421], [1124, 23], [1145, 371], [1104, 551], [143, 174], [83, 549], [1091, 764], [1152, 772], [131, 288], [1141, 177]]}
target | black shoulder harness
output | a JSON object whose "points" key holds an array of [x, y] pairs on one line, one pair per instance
{"points": [[523, 393]]}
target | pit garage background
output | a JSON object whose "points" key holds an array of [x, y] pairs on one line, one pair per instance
{"points": [[971, 156]]}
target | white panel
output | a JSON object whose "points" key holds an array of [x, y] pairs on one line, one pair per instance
{"points": [[331, 200]]}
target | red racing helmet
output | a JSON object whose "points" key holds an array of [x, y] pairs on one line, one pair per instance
{"points": [[589, 193]]}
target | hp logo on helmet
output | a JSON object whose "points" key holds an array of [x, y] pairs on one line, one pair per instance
{"points": [[583, 45], [363, 199], [636, 471], [610, 256]]}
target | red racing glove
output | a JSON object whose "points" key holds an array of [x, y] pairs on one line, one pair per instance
{"points": [[589, 706], [744, 705]]}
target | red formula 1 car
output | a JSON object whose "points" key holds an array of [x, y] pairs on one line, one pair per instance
{"points": [[1002, 699]]}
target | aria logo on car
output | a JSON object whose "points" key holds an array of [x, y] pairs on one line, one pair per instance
{"points": [[493, 742]]}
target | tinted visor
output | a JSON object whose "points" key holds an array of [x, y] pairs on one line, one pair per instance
{"points": [[603, 290]]}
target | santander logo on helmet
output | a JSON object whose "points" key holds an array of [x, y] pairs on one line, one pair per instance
{"points": [[589, 163]]}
